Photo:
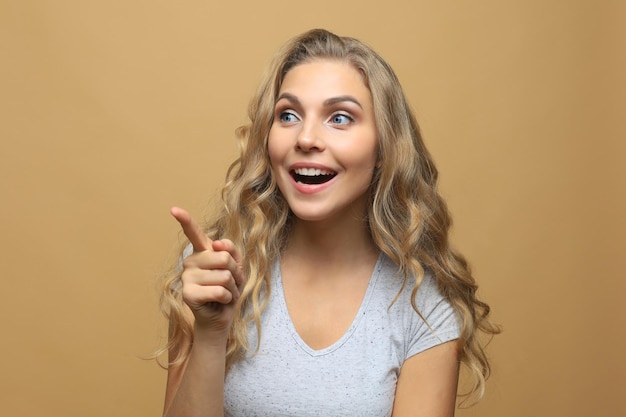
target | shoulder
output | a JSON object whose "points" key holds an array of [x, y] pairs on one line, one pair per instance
{"points": [[435, 320], [391, 279]]}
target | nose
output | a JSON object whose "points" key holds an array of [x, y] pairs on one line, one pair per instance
{"points": [[310, 138]]}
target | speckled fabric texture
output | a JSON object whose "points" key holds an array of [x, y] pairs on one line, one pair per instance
{"points": [[354, 377]]}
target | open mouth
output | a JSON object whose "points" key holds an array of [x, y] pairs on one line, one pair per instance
{"points": [[312, 175]]}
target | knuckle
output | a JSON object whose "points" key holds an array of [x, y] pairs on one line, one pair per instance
{"points": [[222, 295], [185, 277], [190, 295], [187, 263], [223, 276], [229, 244], [191, 261], [222, 258], [190, 276]]}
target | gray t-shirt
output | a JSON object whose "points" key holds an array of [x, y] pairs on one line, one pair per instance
{"points": [[357, 375]]}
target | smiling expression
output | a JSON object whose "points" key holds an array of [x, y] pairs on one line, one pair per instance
{"points": [[323, 141]]}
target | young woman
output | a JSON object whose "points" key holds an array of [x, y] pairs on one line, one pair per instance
{"points": [[326, 285]]}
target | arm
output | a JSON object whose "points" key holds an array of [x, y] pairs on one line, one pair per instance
{"points": [[211, 278], [428, 382], [175, 372], [196, 387]]}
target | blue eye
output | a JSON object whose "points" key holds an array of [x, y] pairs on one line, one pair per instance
{"points": [[288, 117], [341, 119]]}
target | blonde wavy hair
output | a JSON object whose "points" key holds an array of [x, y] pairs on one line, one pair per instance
{"points": [[408, 219]]}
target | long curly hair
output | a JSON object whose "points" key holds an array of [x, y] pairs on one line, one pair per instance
{"points": [[408, 219]]}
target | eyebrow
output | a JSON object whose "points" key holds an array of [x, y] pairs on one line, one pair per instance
{"points": [[327, 103]]}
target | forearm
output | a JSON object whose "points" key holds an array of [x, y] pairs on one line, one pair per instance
{"points": [[201, 389]]}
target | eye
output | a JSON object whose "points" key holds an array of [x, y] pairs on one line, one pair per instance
{"points": [[287, 117], [341, 119]]}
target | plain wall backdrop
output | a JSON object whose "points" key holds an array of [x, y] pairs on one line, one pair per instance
{"points": [[113, 111]]}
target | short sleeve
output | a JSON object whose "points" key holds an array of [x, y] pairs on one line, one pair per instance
{"points": [[187, 250], [441, 323]]}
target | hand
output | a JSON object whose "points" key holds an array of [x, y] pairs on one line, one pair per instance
{"points": [[212, 277]]}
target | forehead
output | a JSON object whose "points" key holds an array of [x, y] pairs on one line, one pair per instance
{"points": [[325, 77]]}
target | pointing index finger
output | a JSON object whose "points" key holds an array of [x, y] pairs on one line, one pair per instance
{"points": [[194, 233]]}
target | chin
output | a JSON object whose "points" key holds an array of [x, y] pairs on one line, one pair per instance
{"points": [[347, 215], [308, 216]]}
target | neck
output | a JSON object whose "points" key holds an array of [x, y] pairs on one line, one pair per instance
{"points": [[331, 243]]}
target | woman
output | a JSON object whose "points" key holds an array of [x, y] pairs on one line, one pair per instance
{"points": [[326, 285]]}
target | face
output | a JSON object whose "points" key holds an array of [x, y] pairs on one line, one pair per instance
{"points": [[323, 142]]}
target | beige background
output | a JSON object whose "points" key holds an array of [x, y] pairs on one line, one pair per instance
{"points": [[112, 111]]}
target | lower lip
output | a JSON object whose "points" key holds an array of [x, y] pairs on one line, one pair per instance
{"points": [[311, 188]]}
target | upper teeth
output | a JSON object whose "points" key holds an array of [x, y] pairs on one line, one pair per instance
{"points": [[312, 171]]}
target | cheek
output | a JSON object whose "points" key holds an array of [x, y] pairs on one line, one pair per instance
{"points": [[277, 152], [273, 148], [365, 153]]}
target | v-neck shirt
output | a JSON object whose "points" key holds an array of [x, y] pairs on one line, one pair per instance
{"points": [[356, 375]]}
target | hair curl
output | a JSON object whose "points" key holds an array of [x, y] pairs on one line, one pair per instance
{"points": [[408, 219]]}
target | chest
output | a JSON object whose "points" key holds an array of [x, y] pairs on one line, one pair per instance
{"points": [[322, 315], [353, 375], [356, 375]]}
